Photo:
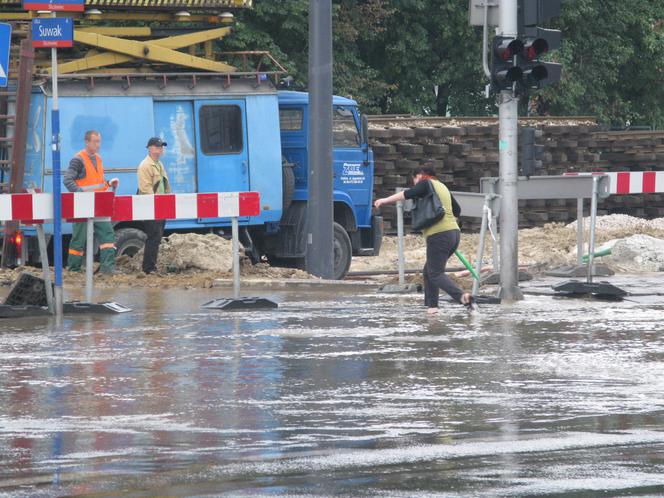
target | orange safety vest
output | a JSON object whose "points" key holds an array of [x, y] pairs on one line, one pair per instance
{"points": [[94, 177]]}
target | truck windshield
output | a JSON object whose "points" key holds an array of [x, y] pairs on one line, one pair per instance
{"points": [[344, 128]]}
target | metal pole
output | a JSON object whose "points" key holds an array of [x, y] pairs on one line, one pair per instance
{"points": [[485, 41], [236, 256], [57, 201], [593, 219], [46, 271], [320, 219], [507, 147], [495, 256], [480, 249], [89, 260], [402, 262], [579, 231]]}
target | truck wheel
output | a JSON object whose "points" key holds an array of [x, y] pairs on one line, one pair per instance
{"points": [[128, 241], [343, 251], [288, 181]]}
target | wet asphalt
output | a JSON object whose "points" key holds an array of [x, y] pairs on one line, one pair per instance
{"points": [[337, 392]]}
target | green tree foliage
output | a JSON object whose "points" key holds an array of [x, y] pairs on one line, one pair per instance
{"points": [[613, 61], [390, 54]]}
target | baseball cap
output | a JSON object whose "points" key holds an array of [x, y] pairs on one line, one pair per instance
{"points": [[156, 141]]}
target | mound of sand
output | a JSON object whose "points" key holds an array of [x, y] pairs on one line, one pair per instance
{"points": [[550, 245], [186, 251]]}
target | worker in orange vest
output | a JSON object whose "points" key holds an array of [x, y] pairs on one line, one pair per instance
{"points": [[86, 174]]}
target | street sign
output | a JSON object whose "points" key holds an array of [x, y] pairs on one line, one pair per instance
{"points": [[5, 43], [55, 5], [53, 32]]}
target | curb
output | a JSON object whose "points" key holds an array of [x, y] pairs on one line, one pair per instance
{"points": [[295, 284]]}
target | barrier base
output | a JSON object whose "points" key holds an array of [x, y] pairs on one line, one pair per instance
{"points": [[28, 290], [400, 288], [604, 290], [493, 278], [240, 304], [568, 271], [81, 308], [16, 311], [487, 300]]}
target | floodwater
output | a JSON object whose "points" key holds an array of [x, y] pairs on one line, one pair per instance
{"points": [[348, 393]]}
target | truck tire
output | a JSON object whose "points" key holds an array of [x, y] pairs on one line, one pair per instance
{"points": [[128, 241], [288, 182], [343, 252]]}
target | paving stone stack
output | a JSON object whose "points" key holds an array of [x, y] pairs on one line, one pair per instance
{"points": [[464, 153]]}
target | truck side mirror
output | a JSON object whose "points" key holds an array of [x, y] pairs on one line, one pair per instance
{"points": [[365, 129]]}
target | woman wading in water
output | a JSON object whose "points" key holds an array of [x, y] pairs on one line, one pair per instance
{"points": [[442, 238]]}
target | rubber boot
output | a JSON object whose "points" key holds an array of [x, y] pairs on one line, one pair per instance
{"points": [[107, 261], [74, 262]]}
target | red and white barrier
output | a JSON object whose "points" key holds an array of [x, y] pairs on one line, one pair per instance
{"points": [[632, 182], [186, 206], [82, 205], [39, 207]]}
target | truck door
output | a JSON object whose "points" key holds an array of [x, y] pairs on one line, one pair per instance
{"points": [[221, 146], [351, 174]]}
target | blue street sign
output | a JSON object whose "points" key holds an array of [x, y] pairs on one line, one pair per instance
{"points": [[5, 42], [54, 5], [52, 32]]}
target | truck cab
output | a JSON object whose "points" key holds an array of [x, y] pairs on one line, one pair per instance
{"points": [[357, 232]]}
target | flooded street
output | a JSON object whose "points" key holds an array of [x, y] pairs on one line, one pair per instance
{"points": [[336, 392]]}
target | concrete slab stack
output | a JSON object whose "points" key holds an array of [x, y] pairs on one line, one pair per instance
{"points": [[466, 150]]}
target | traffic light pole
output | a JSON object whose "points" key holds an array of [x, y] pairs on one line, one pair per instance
{"points": [[320, 217], [508, 171]]}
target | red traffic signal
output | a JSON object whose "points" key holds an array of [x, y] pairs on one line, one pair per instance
{"points": [[503, 70]]}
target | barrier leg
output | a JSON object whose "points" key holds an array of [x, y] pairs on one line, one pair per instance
{"points": [[236, 257], [593, 219], [495, 255], [43, 255], [88, 260], [602, 289], [402, 278], [238, 303], [401, 287], [480, 251], [579, 232]]}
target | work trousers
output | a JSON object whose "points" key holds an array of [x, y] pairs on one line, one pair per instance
{"points": [[103, 232], [440, 247], [155, 231]]}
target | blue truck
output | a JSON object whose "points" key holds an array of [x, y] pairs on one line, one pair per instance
{"points": [[223, 135]]}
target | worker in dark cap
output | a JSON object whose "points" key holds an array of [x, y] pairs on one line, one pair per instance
{"points": [[153, 179]]}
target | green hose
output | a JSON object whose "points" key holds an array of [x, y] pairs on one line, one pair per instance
{"points": [[467, 265], [598, 254]]}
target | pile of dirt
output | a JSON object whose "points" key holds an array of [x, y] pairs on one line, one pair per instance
{"points": [[550, 245], [186, 251], [637, 253], [195, 260], [185, 260]]}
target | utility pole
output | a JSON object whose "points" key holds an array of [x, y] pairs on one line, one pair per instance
{"points": [[508, 170], [320, 216]]}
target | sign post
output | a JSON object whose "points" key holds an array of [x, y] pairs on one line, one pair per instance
{"points": [[57, 204], [55, 33]]}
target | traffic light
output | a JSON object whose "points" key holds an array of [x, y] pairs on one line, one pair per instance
{"points": [[531, 152], [504, 72], [538, 41]]}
